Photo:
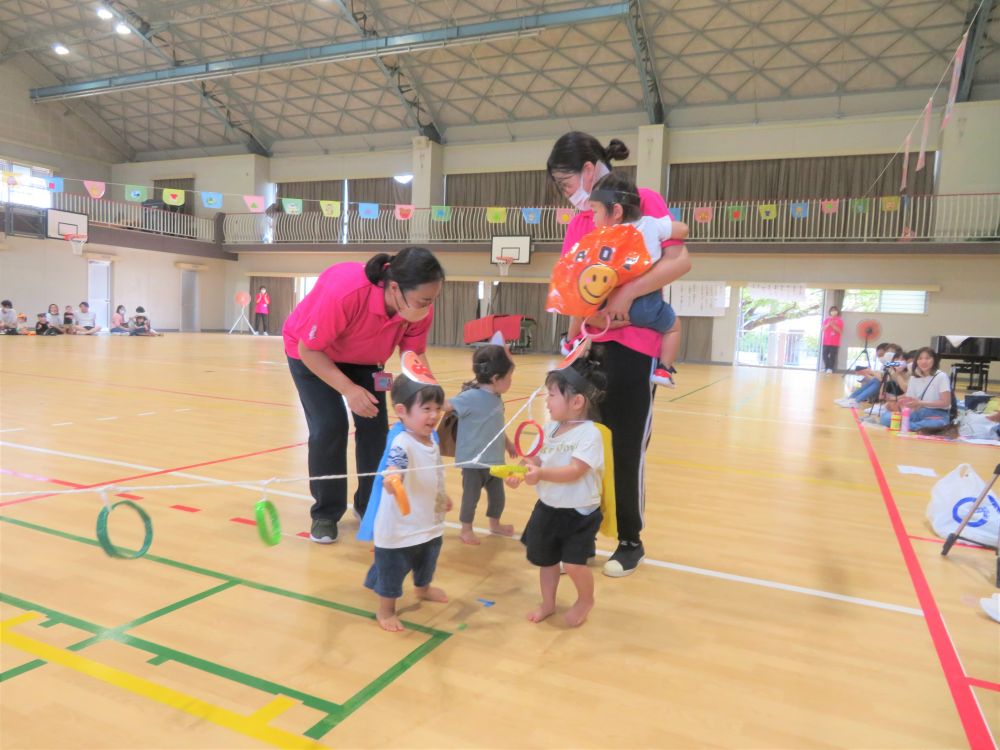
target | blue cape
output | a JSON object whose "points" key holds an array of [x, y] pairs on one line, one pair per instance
{"points": [[366, 532]]}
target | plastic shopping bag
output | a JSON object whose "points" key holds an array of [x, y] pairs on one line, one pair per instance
{"points": [[951, 500]]}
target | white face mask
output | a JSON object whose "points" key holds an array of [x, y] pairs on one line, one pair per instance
{"points": [[581, 198]]}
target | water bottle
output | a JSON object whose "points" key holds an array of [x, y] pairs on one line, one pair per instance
{"points": [[904, 424], [895, 421]]}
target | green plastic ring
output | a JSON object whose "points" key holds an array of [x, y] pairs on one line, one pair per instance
{"points": [[268, 523], [105, 540]]}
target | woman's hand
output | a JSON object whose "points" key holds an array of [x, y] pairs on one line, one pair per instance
{"points": [[618, 304], [361, 401]]}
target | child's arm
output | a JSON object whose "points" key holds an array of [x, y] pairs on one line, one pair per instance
{"points": [[668, 229], [559, 475]]}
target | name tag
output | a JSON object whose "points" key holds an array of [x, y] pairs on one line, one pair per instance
{"points": [[383, 380]]}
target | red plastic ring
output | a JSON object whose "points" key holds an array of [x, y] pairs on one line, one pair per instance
{"points": [[587, 332], [517, 439]]}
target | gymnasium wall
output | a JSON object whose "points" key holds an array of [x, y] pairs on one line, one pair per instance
{"points": [[34, 273], [48, 135], [971, 143]]}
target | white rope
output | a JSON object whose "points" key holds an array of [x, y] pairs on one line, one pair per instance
{"points": [[113, 489]]}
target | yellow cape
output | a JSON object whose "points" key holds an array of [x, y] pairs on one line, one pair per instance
{"points": [[609, 524]]}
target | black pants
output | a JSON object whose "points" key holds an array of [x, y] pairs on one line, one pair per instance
{"points": [[260, 322], [326, 416], [830, 356], [627, 410]]}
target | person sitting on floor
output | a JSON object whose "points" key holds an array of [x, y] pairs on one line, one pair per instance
{"points": [[928, 395]]}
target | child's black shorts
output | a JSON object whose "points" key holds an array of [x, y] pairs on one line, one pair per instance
{"points": [[556, 535]]}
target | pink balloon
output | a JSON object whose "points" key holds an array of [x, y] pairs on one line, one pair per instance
{"points": [[242, 298]]}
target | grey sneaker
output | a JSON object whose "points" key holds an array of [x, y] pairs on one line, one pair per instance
{"points": [[324, 531], [625, 560]]}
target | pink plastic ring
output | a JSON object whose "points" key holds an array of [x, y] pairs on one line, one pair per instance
{"points": [[587, 332], [517, 439]]}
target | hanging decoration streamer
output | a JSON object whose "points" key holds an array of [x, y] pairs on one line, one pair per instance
{"points": [[703, 214], [531, 215], [768, 211], [440, 213], [799, 210], [255, 203], [330, 209], [173, 197], [403, 211], [136, 193], [211, 200], [496, 215], [95, 189]]}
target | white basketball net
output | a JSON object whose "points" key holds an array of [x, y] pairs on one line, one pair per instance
{"points": [[76, 242], [504, 264]]}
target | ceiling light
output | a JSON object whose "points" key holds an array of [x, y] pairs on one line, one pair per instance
{"points": [[123, 29], [105, 14], [60, 49], [403, 179]]}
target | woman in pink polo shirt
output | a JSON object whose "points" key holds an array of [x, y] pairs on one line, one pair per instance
{"points": [[336, 340], [628, 354]]}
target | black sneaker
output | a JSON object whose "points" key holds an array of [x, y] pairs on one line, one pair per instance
{"points": [[625, 560], [324, 531]]}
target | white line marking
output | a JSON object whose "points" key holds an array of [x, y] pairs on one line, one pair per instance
{"points": [[61, 424], [146, 414], [763, 582], [13, 429], [105, 419], [176, 410]]}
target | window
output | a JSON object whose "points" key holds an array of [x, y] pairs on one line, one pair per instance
{"points": [[885, 301], [32, 188]]}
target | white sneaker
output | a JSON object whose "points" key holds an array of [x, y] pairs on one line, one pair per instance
{"points": [[829, 371], [847, 403]]}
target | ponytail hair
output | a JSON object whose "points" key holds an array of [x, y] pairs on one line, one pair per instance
{"points": [[410, 267], [575, 149], [489, 362]]}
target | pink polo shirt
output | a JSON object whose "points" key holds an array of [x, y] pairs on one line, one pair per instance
{"points": [[832, 329], [344, 317], [643, 340]]}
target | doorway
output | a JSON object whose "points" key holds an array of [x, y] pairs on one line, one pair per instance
{"points": [[99, 291], [779, 326], [189, 301]]}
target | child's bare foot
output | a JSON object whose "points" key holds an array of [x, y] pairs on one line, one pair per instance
{"points": [[577, 614], [390, 623], [467, 535], [541, 612], [432, 594], [501, 529]]}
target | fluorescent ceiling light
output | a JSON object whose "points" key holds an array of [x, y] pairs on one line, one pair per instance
{"points": [[105, 14], [60, 49], [403, 179], [123, 29]]}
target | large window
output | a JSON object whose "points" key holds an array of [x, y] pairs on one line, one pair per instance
{"points": [[31, 188], [885, 301]]}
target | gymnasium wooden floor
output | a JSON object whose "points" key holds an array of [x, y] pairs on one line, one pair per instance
{"points": [[789, 600]]}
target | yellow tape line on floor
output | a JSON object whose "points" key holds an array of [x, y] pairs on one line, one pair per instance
{"points": [[254, 726]]}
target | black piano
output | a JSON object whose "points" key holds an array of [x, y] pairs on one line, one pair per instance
{"points": [[975, 353]]}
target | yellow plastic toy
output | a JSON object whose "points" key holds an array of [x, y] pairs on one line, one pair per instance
{"points": [[507, 470]]}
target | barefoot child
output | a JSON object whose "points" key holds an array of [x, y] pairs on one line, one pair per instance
{"points": [[410, 542], [568, 472], [615, 200], [479, 408]]}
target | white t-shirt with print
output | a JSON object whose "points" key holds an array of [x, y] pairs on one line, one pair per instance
{"points": [[584, 442], [425, 490], [654, 231], [929, 388]]}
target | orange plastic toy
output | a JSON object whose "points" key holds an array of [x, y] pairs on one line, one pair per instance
{"points": [[394, 483]]}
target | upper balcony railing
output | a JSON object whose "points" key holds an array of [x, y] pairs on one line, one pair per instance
{"points": [[928, 218], [136, 216]]}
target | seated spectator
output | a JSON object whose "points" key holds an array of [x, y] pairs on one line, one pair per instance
{"points": [[69, 319], [871, 379], [140, 324], [22, 324], [54, 322], [86, 321], [8, 318], [119, 320], [900, 371], [928, 395]]}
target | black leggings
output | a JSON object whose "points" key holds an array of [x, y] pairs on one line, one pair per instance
{"points": [[830, 356], [326, 416], [260, 322], [627, 410]]}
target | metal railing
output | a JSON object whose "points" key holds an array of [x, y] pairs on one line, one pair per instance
{"points": [[136, 216], [927, 218]]}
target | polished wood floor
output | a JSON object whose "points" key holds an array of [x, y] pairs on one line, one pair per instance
{"points": [[787, 601]]}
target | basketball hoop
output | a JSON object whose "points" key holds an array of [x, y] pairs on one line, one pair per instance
{"points": [[504, 262], [76, 241]]}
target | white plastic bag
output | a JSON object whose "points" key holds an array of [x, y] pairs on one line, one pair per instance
{"points": [[977, 426], [951, 500]]}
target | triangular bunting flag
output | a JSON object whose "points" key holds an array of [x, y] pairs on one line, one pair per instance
{"points": [[564, 216], [211, 200], [136, 193], [440, 213], [703, 214], [173, 197], [799, 210], [768, 211], [859, 205], [95, 189], [531, 215], [735, 213], [889, 204], [368, 210], [292, 206], [330, 209], [403, 211], [255, 203], [496, 215], [56, 184], [830, 207], [675, 213]]}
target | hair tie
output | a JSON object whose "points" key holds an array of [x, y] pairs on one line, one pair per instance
{"points": [[386, 265]]}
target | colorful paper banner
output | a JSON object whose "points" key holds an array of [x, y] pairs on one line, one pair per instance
{"points": [[768, 211], [799, 210], [292, 206], [330, 209], [928, 108], [95, 189], [859, 205], [136, 193], [440, 213], [906, 163], [211, 200], [675, 213], [565, 216], [56, 184], [531, 215], [956, 74], [403, 211], [830, 207], [496, 215], [735, 212], [368, 210], [703, 214], [889, 204], [173, 197], [255, 203]]}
